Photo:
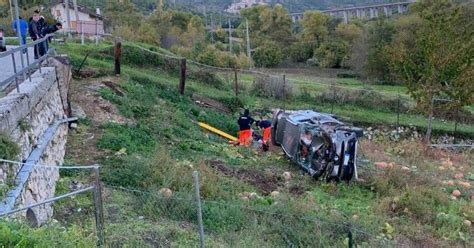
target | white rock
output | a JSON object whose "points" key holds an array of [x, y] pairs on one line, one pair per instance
{"points": [[167, 193], [287, 175]]}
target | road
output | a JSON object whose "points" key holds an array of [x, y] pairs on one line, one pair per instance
{"points": [[6, 63]]}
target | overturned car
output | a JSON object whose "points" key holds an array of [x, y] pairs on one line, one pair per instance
{"points": [[318, 143]]}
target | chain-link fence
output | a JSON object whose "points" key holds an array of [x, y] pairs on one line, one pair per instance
{"points": [[166, 218]]}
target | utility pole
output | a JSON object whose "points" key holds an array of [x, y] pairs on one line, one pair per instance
{"points": [[11, 10], [212, 30], [97, 12], [230, 37], [77, 14], [248, 40], [68, 16], [17, 13]]}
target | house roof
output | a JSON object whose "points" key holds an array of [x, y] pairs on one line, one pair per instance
{"points": [[80, 8]]}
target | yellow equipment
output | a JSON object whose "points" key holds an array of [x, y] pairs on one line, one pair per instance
{"points": [[217, 131]]}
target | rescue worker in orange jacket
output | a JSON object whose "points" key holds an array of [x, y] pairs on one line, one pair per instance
{"points": [[266, 126], [245, 122]]}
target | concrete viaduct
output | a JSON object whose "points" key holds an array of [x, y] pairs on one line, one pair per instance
{"points": [[362, 12]]}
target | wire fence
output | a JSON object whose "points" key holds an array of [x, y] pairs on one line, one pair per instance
{"points": [[225, 224], [397, 106], [43, 200]]}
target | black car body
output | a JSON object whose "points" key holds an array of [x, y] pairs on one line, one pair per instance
{"points": [[318, 143]]}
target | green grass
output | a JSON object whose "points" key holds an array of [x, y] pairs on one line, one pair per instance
{"points": [[163, 145]]}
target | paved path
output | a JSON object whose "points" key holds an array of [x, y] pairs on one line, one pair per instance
{"points": [[6, 64]]}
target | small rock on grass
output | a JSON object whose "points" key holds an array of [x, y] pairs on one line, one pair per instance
{"points": [[467, 222], [287, 175], [456, 193], [166, 192], [458, 176], [275, 194]]}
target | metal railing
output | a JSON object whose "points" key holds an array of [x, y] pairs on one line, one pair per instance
{"points": [[95, 187], [24, 72]]}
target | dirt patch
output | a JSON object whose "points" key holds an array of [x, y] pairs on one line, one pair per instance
{"points": [[265, 182], [297, 190], [96, 108], [87, 103], [210, 103], [114, 87], [83, 73]]}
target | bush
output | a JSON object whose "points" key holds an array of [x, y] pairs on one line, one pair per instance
{"points": [[364, 98], [300, 52], [268, 55], [332, 54], [208, 78], [133, 138], [273, 87], [8, 149]]}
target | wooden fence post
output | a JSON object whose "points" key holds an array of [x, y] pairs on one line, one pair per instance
{"points": [[182, 76], [118, 53], [236, 83]]}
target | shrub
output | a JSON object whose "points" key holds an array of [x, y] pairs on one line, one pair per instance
{"points": [[207, 78], [300, 52], [268, 55], [8, 149], [332, 54], [133, 138], [273, 87], [363, 98]]}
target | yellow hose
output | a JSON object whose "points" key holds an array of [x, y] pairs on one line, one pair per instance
{"points": [[217, 131]]}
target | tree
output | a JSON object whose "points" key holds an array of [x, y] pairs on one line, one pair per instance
{"points": [[380, 35], [267, 55], [434, 58], [300, 52], [147, 34], [332, 54], [121, 13], [268, 23], [314, 28], [348, 32]]}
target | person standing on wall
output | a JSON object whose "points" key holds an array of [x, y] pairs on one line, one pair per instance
{"points": [[245, 122], [21, 26], [35, 27]]}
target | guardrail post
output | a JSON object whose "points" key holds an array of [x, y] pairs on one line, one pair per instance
{"points": [[182, 76], [199, 210], [99, 212], [117, 52], [14, 70]]}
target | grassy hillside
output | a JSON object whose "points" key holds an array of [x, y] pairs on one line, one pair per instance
{"points": [[142, 133]]}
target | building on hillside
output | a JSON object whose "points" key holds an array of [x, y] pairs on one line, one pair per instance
{"points": [[235, 7], [90, 22]]}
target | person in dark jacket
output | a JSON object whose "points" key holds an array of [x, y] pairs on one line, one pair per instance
{"points": [[266, 126], [3, 47], [49, 29], [35, 28], [245, 122]]}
